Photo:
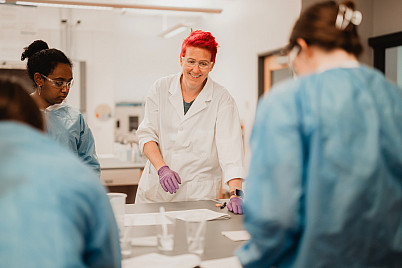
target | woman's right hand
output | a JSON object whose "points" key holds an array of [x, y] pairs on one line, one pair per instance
{"points": [[169, 179]]}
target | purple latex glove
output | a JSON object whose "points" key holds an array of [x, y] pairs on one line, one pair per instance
{"points": [[169, 179], [235, 205]]}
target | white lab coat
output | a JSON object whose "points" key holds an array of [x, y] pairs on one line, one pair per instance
{"points": [[196, 145]]}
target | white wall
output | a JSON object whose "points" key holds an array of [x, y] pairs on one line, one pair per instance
{"points": [[125, 56], [19, 26], [94, 42], [387, 16]]}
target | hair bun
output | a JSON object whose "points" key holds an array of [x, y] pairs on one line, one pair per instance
{"points": [[33, 48], [349, 4]]}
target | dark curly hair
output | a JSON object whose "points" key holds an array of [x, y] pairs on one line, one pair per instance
{"points": [[41, 59]]}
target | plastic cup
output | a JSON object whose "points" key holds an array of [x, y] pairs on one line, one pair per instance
{"points": [[118, 201], [165, 232], [195, 231]]}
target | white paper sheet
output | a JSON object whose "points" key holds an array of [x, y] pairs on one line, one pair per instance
{"points": [[155, 260], [232, 262], [237, 235], [198, 214], [142, 219]]}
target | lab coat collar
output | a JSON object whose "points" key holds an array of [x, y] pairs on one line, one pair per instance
{"points": [[199, 104], [176, 98]]}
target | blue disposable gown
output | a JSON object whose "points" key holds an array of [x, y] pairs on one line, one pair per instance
{"points": [[66, 125], [55, 210], [325, 181]]}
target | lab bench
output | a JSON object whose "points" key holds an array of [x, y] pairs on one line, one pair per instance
{"points": [[217, 246], [121, 176]]}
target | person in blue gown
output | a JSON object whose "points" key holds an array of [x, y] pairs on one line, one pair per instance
{"points": [[325, 181], [55, 211], [51, 72]]}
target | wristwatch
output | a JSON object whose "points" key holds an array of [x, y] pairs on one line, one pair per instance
{"points": [[236, 192]]}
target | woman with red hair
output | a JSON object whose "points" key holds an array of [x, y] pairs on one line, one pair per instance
{"points": [[190, 132]]}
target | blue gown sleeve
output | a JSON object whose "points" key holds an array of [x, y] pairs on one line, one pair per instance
{"points": [[273, 213], [86, 147], [102, 244]]}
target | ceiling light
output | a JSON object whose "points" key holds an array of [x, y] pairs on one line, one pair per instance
{"points": [[25, 3], [100, 5]]}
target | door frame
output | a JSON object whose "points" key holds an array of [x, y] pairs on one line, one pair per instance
{"points": [[268, 62], [380, 43]]}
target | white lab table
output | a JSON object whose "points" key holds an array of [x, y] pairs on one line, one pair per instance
{"points": [[216, 245]]}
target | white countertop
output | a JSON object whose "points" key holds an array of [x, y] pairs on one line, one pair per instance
{"points": [[110, 162]]}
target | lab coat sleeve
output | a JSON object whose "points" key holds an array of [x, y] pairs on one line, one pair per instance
{"points": [[149, 127], [229, 139], [86, 147], [273, 191]]}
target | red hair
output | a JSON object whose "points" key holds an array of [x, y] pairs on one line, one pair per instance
{"points": [[200, 39]]}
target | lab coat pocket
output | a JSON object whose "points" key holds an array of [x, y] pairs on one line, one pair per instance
{"points": [[151, 190], [202, 142], [203, 188], [151, 183]]}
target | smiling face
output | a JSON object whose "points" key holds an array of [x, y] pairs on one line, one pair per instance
{"points": [[51, 92], [194, 76]]}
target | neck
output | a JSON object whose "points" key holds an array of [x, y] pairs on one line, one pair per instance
{"points": [[190, 93], [333, 59], [42, 104]]}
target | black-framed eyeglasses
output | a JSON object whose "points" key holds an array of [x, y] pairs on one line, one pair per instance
{"points": [[59, 84]]}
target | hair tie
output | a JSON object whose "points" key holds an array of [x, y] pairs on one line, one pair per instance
{"points": [[347, 15]]}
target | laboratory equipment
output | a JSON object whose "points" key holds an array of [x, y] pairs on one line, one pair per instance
{"points": [[128, 116]]}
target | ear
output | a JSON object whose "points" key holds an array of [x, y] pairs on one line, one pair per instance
{"points": [[212, 66], [181, 61], [38, 79], [304, 46]]}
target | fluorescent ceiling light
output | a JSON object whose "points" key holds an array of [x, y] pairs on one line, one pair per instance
{"points": [[100, 5], [24, 3], [178, 28]]}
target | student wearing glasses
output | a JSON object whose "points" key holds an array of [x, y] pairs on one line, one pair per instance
{"points": [[190, 132], [51, 72]]}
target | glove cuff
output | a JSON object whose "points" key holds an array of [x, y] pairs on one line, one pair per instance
{"points": [[163, 170]]}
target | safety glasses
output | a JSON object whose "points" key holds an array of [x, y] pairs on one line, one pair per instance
{"points": [[291, 57], [202, 64], [58, 83]]}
